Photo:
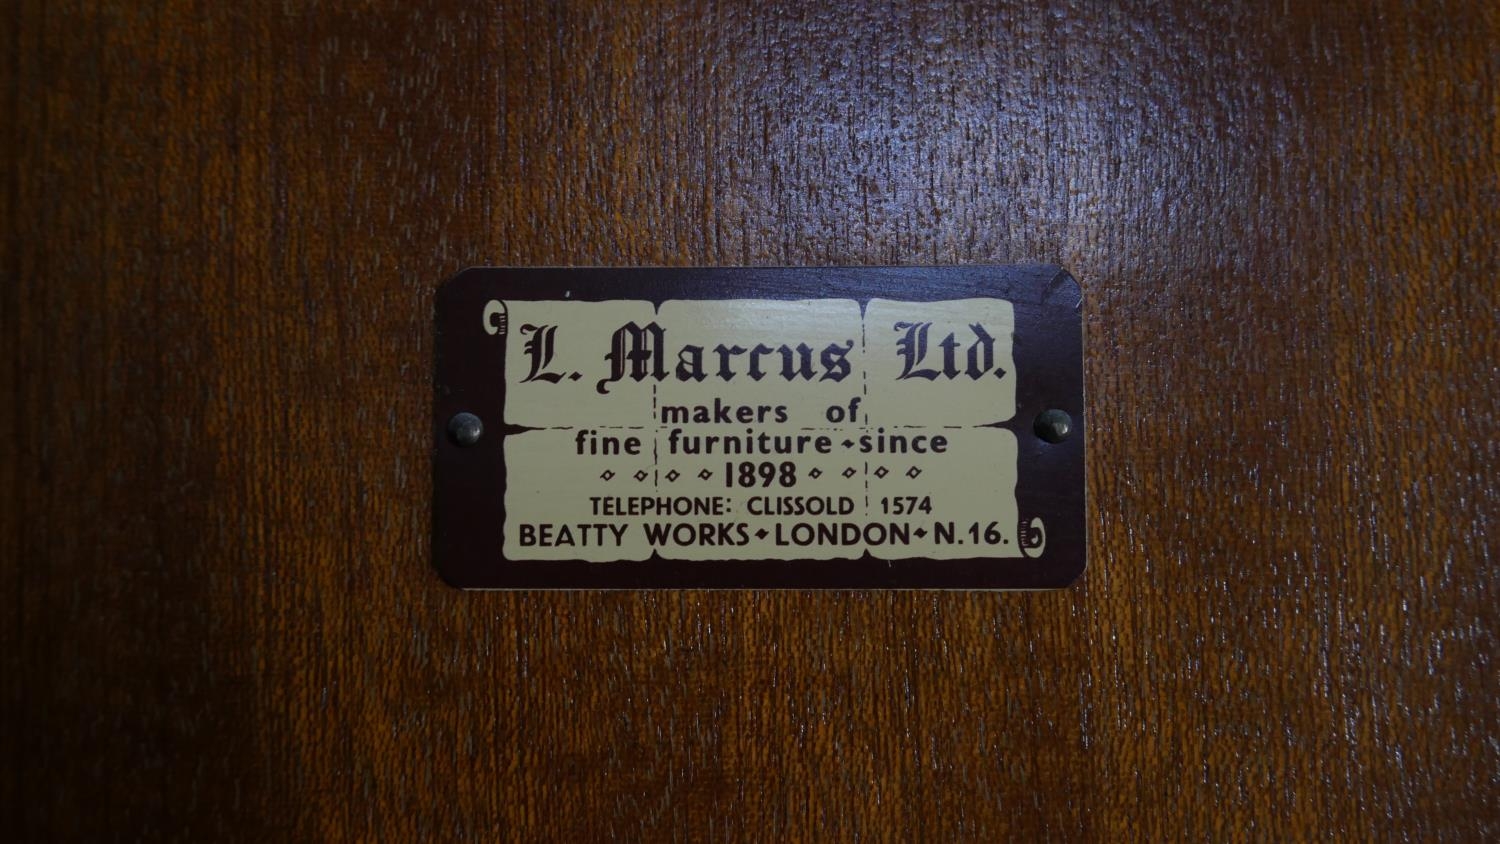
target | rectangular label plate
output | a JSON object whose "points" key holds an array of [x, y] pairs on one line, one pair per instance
{"points": [[767, 428]]}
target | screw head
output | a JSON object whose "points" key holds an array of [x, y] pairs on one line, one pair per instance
{"points": [[465, 429], [1054, 425]]}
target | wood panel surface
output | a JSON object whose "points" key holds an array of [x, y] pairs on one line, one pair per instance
{"points": [[223, 226]]}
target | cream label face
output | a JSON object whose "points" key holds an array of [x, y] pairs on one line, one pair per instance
{"points": [[601, 428]]}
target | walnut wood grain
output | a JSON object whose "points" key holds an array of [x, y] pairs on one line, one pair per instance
{"points": [[223, 226]]}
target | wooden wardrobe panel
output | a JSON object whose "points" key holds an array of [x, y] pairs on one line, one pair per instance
{"points": [[223, 227]]}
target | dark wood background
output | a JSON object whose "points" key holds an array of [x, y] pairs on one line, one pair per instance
{"points": [[223, 226]]}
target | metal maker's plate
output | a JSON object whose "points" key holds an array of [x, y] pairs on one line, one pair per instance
{"points": [[792, 428]]}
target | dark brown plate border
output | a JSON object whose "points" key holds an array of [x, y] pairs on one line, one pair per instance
{"points": [[468, 499]]}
